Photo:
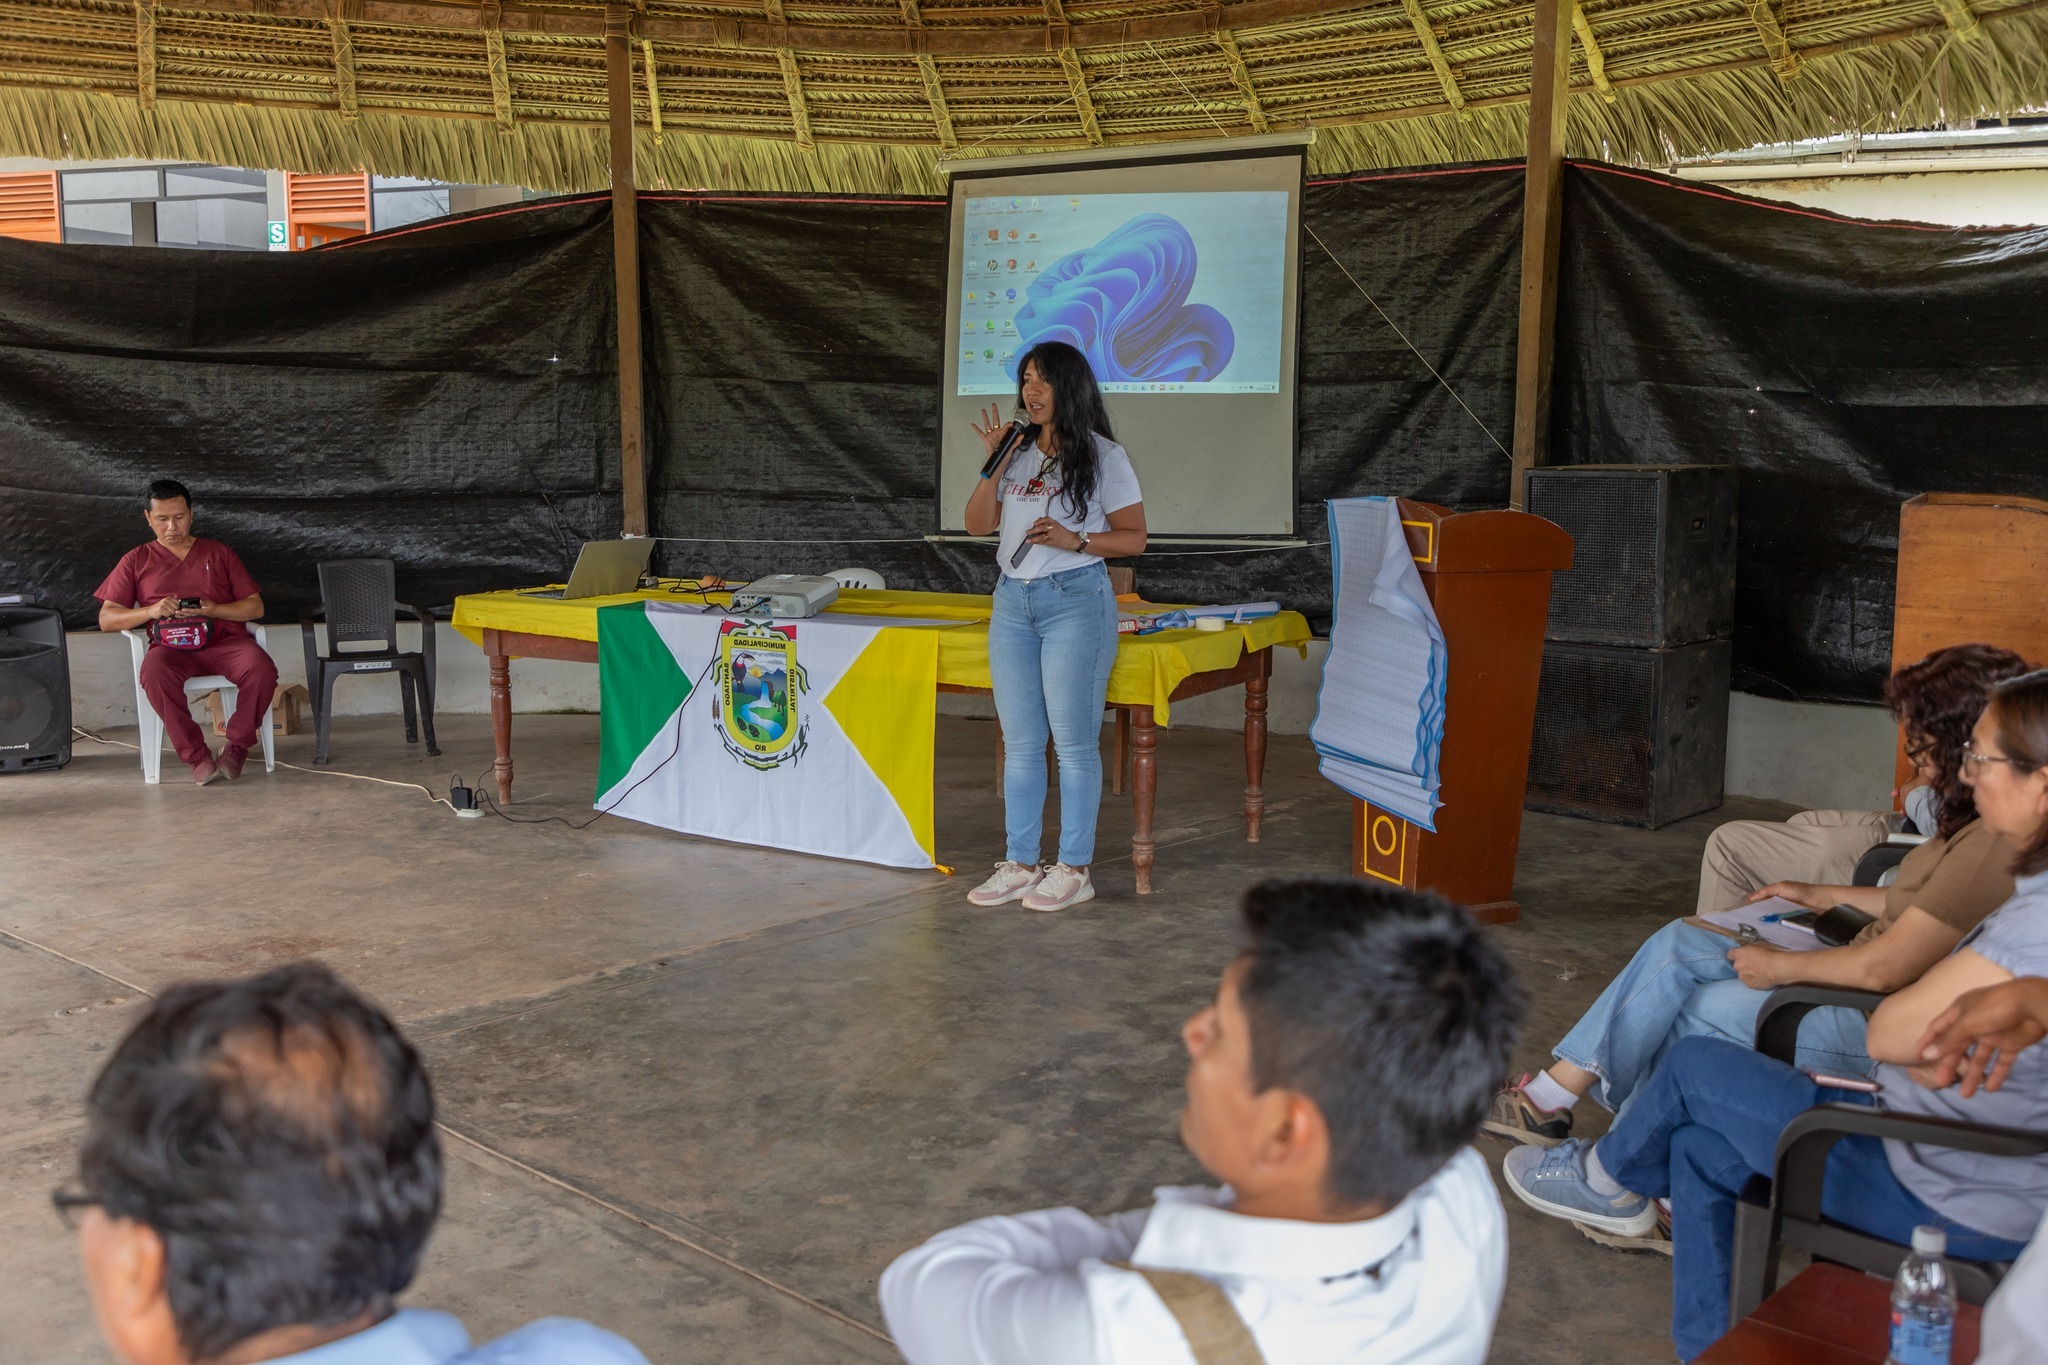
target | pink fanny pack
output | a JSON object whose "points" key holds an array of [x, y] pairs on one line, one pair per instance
{"points": [[182, 633]]}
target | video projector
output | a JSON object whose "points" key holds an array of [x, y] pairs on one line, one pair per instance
{"points": [[785, 595]]}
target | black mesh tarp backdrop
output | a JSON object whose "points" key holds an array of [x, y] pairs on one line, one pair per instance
{"points": [[1844, 366], [405, 402], [445, 395]]}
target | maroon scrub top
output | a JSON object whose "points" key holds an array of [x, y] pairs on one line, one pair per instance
{"points": [[209, 570]]}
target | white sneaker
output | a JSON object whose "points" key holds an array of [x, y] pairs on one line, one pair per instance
{"points": [[1060, 887], [1011, 882]]}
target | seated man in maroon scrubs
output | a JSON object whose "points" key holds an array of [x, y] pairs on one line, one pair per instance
{"points": [[146, 587]]}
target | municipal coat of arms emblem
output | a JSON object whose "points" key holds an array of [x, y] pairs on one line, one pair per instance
{"points": [[760, 718]]}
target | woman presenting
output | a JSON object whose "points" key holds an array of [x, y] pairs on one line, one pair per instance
{"points": [[1066, 500]]}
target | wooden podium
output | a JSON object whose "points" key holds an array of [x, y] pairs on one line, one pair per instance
{"points": [[1488, 575], [1973, 569]]}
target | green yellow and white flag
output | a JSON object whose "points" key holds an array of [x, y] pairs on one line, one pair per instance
{"points": [[812, 735]]}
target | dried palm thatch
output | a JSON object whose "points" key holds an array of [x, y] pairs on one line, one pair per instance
{"points": [[866, 95]]}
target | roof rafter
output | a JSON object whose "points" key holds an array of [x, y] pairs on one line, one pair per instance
{"points": [[1241, 77], [992, 40], [1077, 79], [653, 88], [145, 53], [928, 72], [344, 68], [1596, 60], [792, 81], [1960, 17], [1777, 47], [1444, 76], [501, 74]]}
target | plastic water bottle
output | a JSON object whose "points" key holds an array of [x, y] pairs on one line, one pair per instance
{"points": [[1923, 1303]]}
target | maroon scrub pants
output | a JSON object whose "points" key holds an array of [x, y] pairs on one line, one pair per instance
{"points": [[240, 660]]}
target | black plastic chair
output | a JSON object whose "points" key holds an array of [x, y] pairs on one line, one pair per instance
{"points": [[1783, 1212], [358, 602]]}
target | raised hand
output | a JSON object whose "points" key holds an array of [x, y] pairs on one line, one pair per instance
{"points": [[991, 434]]}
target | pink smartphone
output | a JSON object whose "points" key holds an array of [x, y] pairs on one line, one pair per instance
{"points": [[1856, 1083]]}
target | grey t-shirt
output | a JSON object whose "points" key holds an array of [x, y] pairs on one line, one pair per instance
{"points": [[2000, 1195]]}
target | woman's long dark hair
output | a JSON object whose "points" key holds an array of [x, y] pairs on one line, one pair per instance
{"points": [[1938, 700], [2020, 706], [1077, 416]]}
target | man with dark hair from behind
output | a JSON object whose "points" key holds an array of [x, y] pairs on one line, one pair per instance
{"points": [[258, 1177], [194, 597], [1334, 1086]]}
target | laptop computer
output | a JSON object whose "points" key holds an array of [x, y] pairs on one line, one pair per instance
{"points": [[604, 568]]}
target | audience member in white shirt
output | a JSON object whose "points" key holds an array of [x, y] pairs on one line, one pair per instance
{"points": [[1973, 1043], [1333, 1086]]}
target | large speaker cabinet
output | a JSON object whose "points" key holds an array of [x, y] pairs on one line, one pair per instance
{"points": [[35, 691], [1654, 558], [1630, 736]]}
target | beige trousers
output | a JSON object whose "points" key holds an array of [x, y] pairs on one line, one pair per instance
{"points": [[1813, 846]]}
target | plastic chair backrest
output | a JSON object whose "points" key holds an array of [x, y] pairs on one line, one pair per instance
{"points": [[360, 596], [861, 579]]}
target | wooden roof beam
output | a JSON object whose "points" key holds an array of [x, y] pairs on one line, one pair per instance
{"points": [[1453, 96], [928, 72], [145, 53], [1070, 62], [1777, 47], [1241, 77], [1596, 60]]}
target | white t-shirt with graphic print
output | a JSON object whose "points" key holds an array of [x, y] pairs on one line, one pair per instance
{"points": [[1029, 489]]}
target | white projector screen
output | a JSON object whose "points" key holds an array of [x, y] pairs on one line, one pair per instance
{"points": [[1179, 281]]}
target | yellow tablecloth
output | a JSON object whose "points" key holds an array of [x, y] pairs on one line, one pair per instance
{"points": [[1148, 667]]}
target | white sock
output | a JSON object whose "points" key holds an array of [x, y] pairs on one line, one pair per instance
{"points": [[1546, 1094], [1603, 1184]]}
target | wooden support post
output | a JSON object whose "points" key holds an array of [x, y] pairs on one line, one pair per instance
{"points": [[1542, 210], [618, 54]]}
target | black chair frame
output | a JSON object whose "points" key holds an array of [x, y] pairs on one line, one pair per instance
{"points": [[1784, 1212], [415, 669]]}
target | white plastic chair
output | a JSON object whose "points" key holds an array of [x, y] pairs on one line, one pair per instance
{"points": [[151, 724], [865, 579]]}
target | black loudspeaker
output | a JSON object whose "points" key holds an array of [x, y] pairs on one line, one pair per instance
{"points": [[1653, 555], [1630, 736], [35, 691]]}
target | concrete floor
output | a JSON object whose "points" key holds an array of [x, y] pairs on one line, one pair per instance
{"points": [[701, 1094]]}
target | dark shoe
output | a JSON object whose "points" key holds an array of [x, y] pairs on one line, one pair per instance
{"points": [[1515, 1117], [231, 760], [204, 771]]}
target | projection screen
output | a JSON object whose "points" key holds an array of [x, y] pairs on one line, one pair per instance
{"points": [[1179, 281]]}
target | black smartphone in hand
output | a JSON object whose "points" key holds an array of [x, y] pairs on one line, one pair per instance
{"points": [[188, 604]]}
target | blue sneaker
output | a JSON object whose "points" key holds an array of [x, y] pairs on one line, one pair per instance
{"points": [[1553, 1181]]}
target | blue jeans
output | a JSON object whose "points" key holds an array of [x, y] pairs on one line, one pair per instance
{"points": [[1051, 644], [1706, 1121], [1680, 984]]}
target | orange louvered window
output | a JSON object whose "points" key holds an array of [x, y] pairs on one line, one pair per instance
{"points": [[28, 207], [325, 208]]}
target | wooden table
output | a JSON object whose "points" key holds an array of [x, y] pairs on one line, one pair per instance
{"points": [[1828, 1315], [1137, 729]]}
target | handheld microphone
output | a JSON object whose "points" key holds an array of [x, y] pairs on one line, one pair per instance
{"points": [[1019, 424]]}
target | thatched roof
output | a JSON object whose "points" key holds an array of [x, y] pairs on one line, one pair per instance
{"points": [[867, 94]]}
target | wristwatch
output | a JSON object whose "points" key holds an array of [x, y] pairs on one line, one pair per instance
{"points": [[1082, 548]]}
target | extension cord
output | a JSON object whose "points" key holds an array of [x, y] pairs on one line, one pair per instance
{"points": [[462, 800]]}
